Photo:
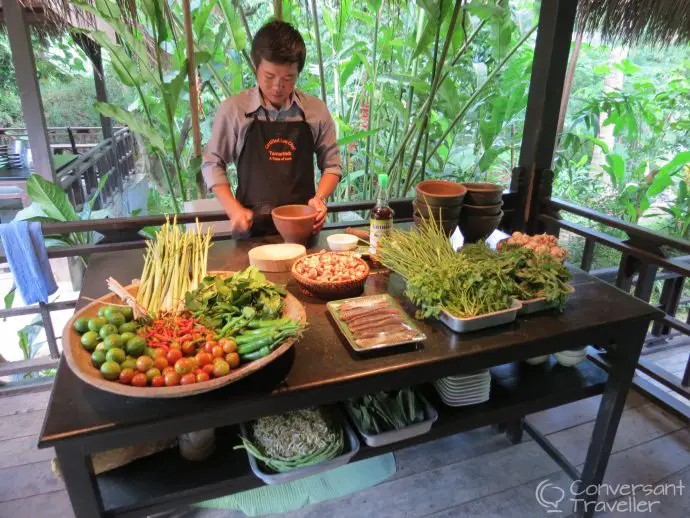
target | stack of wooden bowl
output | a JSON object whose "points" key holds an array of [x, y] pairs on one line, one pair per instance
{"points": [[442, 200], [481, 213]]}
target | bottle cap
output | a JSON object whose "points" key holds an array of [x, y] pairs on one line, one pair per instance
{"points": [[383, 180]]}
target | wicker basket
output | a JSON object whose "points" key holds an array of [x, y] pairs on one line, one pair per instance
{"points": [[329, 290]]}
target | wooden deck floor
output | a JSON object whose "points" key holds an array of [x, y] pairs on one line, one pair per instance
{"points": [[478, 473]]}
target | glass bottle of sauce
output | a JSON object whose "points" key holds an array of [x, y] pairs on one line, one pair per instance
{"points": [[381, 218]]}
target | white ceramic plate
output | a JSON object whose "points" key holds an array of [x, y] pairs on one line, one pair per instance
{"points": [[460, 385], [469, 376], [464, 402], [462, 391]]}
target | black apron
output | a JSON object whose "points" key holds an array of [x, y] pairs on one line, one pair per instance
{"points": [[275, 167]]}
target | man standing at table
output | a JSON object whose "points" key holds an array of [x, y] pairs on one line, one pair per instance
{"points": [[271, 132]]}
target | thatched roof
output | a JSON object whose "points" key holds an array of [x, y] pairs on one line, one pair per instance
{"points": [[627, 22]]}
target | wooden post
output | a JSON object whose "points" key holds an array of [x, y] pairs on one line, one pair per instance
{"points": [[29, 92], [94, 53], [554, 34], [193, 91]]}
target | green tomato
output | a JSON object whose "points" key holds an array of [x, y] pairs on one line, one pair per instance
{"points": [[98, 358], [110, 370], [107, 330], [136, 346], [116, 318], [128, 313], [81, 325], [101, 347], [152, 373], [96, 323], [150, 352], [89, 340], [116, 355], [129, 363], [101, 311], [127, 336], [128, 327], [113, 341]]}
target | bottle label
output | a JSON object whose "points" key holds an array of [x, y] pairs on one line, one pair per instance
{"points": [[377, 229]]}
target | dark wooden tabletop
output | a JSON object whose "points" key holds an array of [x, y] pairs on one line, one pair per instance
{"points": [[321, 368]]}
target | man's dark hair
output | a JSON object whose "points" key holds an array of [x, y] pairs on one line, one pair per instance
{"points": [[280, 43]]}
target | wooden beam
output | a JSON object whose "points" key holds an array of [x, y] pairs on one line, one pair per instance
{"points": [[554, 34], [93, 51], [29, 91]]}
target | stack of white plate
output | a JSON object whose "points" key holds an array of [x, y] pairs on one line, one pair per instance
{"points": [[465, 389]]}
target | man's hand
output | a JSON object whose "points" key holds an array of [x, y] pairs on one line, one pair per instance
{"points": [[321, 211], [241, 220]]}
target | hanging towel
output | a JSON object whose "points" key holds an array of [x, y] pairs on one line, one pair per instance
{"points": [[26, 254]]}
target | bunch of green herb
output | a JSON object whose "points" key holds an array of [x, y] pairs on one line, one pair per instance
{"points": [[231, 302], [538, 275], [386, 411], [294, 439]]}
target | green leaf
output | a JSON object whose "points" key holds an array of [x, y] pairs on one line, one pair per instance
{"points": [[9, 296], [601, 70], [349, 68], [402, 79], [357, 136], [135, 123], [51, 198], [427, 38], [363, 17], [234, 23], [617, 168], [201, 17], [661, 182], [680, 159], [99, 187], [172, 90]]}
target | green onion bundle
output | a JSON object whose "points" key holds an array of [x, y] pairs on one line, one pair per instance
{"points": [[175, 263], [294, 440]]}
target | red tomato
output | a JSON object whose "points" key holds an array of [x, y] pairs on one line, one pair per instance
{"points": [[152, 373], [210, 337], [228, 345], [126, 376], [139, 379], [168, 369], [172, 379], [144, 363], [208, 347], [189, 348], [203, 359], [202, 376], [208, 369], [158, 381], [173, 355], [160, 363], [158, 352], [183, 366], [220, 368], [188, 379], [175, 346], [233, 360], [217, 352]]}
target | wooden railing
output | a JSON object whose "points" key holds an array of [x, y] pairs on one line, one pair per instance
{"points": [[115, 157], [70, 138], [646, 257]]}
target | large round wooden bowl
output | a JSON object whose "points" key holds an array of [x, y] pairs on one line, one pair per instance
{"points": [[79, 359], [331, 290]]}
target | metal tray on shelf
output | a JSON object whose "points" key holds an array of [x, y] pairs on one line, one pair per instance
{"points": [[350, 449], [539, 304], [334, 309], [497, 318], [383, 438]]}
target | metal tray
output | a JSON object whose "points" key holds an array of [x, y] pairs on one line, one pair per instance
{"points": [[392, 436], [351, 448], [334, 308], [497, 318], [539, 304]]}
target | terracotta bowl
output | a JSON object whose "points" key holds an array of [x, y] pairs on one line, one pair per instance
{"points": [[294, 222], [445, 213], [448, 226], [479, 193], [481, 210], [478, 228], [440, 192]]}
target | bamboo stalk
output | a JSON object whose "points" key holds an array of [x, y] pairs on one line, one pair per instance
{"points": [[318, 51], [369, 183]]}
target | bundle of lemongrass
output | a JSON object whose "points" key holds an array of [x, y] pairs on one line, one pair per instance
{"points": [[175, 263]]}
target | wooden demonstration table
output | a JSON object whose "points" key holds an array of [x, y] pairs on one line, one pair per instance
{"points": [[322, 369]]}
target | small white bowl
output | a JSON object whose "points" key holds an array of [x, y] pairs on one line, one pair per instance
{"points": [[537, 359], [342, 242], [568, 359]]}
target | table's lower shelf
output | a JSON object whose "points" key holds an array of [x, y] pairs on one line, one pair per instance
{"points": [[166, 480]]}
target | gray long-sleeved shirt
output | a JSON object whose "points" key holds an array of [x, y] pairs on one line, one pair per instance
{"points": [[235, 115]]}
